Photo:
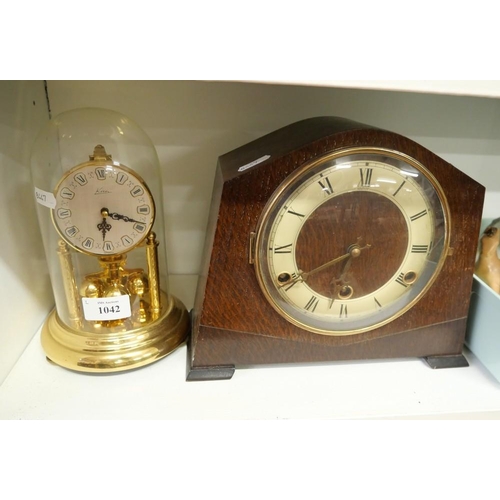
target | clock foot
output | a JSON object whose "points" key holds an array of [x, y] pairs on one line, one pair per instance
{"points": [[201, 373], [447, 361]]}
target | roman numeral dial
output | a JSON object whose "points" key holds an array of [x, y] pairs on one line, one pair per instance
{"points": [[352, 242], [103, 209]]}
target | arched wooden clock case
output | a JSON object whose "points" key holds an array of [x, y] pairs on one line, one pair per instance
{"points": [[236, 322]]}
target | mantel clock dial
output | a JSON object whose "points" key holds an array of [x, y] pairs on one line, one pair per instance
{"points": [[351, 241], [332, 240]]}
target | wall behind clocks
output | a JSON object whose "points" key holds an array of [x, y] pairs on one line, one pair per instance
{"points": [[193, 122], [25, 292]]}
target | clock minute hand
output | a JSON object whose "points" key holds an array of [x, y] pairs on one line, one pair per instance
{"points": [[124, 218], [302, 276], [353, 251], [306, 275]]}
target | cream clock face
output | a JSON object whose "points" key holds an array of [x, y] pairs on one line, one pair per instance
{"points": [[351, 241], [103, 208]]}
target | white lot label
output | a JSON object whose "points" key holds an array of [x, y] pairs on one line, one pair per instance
{"points": [[95, 309], [45, 198]]}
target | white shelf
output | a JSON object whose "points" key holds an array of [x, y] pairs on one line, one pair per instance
{"points": [[403, 388], [484, 88], [36, 389], [397, 389]]}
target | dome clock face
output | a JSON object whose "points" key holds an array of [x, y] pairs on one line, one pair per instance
{"points": [[351, 241], [103, 209]]}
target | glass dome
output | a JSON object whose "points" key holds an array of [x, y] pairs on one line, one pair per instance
{"points": [[97, 184]]}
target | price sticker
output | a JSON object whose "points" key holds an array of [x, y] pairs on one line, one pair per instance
{"points": [[107, 308]]}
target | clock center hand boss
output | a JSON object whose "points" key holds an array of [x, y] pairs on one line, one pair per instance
{"points": [[104, 226]]}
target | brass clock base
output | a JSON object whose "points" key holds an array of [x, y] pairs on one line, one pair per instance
{"points": [[112, 352]]}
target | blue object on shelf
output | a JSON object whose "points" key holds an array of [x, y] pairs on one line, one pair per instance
{"points": [[483, 327]]}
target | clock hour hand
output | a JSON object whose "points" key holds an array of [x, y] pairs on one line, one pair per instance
{"points": [[339, 286], [104, 227]]}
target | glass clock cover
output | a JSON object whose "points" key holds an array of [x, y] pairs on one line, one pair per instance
{"points": [[96, 178]]}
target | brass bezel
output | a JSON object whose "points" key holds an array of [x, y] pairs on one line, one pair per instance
{"points": [[103, 163], [301, 171]]}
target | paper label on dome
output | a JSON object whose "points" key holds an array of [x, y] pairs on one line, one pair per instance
{"points": [[45, 198], [106, 308]]}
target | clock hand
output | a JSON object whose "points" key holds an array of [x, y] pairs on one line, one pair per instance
{"points": [[345, 268], [116, 216], [104, 227], [352, 252], [340, 287], [302, 276]]}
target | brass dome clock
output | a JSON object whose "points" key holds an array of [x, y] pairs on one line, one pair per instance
{"points": [[333, 240], [96, 176]]}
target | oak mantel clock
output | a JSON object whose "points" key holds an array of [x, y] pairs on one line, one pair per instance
{"points": [[333, 240], [96, 176]]}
